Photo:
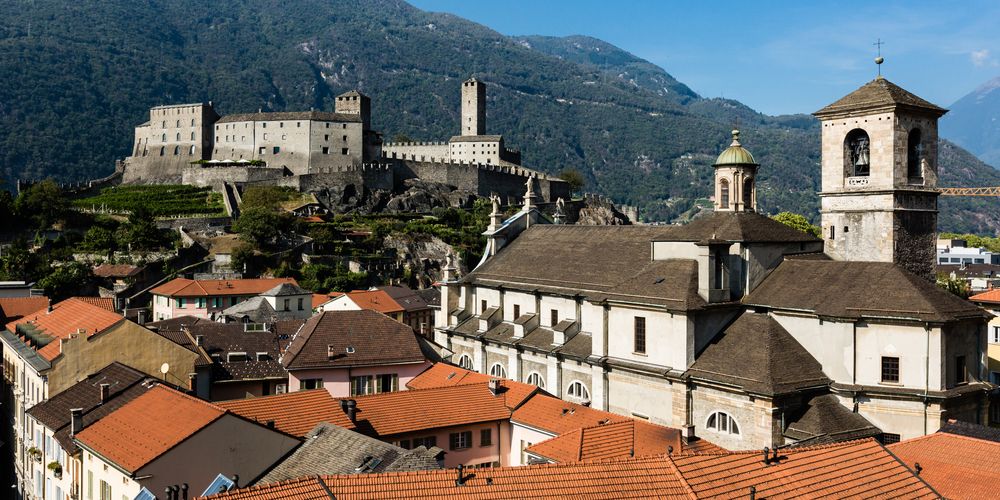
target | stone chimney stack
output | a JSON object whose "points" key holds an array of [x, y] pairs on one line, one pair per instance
{"points": [[76, 421]]}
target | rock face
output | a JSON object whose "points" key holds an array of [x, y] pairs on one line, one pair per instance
{"points": [[600, 211], [423, 255], [422, 197]]}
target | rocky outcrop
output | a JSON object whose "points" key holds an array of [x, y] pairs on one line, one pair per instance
{"points": [[600, 211], [423, 255], [422, 197]]}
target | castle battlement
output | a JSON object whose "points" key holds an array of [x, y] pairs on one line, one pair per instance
{"points": [[412, 144]]}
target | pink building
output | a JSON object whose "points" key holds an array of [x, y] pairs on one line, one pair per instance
{"points": [[353, 353], [208, 298]]}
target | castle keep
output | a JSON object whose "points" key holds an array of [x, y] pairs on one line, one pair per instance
{"points": [[317, 150]]}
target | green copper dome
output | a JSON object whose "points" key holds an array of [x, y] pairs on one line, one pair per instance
{"points": [[735, 154]]}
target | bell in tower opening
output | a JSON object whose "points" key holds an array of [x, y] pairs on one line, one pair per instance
{"points": [[735, 174], [858, 154]]}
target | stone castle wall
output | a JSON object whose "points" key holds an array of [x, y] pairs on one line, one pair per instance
{"points": [[507, 181], [416, 151]]}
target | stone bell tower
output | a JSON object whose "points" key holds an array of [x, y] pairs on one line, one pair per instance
{"points": [[879, 181], [735, 179]]}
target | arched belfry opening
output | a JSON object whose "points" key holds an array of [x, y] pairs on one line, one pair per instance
{"points": [[857, 154], [735, 171], [914, 157]]}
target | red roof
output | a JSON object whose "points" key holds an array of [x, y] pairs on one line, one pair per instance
{"points": [[14, 308], [628, 437], [375, 300], [70, 317], [956, 466], [445, 375], [102, 302], [319, 299], [294, 413], [147, 427], [990, 296], [556, 416], [842, 470], [183, 287]]}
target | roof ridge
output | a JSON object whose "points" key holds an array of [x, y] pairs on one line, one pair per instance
{"points": [[938, 433]]}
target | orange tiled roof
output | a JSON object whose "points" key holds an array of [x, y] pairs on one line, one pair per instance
{"points": [[102, 302], [148, 426], [558, 417], [375, 300], [620, 479], [628, 437], [841, 470], [69, 317], [445, 375], [414, 410], [848, 469], [319, 299], [294, 413], [992, 296], [956, 466], [183, 287], [14, 308]]}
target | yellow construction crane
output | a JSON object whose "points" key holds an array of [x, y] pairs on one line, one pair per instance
{"points": [[973, 191]]}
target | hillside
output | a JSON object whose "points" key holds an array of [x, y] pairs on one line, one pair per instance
{"points": [[972, 122], [78, 78]]}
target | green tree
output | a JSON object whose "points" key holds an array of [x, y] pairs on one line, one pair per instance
{"points": [[43, 203], [140, 232], [7, 213], [259, 226], [66, 281], [242, 259], [19, 263], [574, 178], [798, 222], [99, 239], [956, 286]]}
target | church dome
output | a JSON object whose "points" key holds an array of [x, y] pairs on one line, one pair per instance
{"points": [[735, 154]]}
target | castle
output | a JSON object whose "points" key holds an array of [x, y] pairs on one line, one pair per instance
{"points": [[317, 150], [735, 327]]}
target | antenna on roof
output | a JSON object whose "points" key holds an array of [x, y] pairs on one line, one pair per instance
{"points": [[879, 59]]}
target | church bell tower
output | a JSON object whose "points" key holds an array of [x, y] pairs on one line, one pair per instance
{"points": [[879, 180], [735, 174]]}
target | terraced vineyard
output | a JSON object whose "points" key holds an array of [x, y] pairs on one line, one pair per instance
{"points": [[160, 200]]}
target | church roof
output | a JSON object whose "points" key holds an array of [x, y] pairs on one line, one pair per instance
{"points": [[758, 355], [597, 262], [856, 290], [748, 227], [825, 420], [735, 154], [878, 93]]}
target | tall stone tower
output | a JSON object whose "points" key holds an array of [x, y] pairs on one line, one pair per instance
{"points": [[735, 184], [879, 186], [355, 103], [473, 107]]}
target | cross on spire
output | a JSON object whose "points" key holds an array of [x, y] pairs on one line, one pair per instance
{"points": [[879, 59]]}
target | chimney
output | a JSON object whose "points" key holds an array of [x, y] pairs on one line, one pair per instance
{"points": [[236, 480], [76, 420], [105, 392], [331, 352], [184, 491], [460, 481], [169, 492], [767, 456], [142, 317], [494, 386], [753, 493], [351, 408], [689, 434], [917, 468], [49, 307], [199, 340]]}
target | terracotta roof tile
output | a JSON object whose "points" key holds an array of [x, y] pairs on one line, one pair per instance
{"points": [[43, 329], [107, 303], [445, 375], [375, 300], [319, 299], [956, 466], [357, 338], [624, 438], [294, 413], [557, 416], [183, 287], [991, 296], [148, 426], [14, 308], [842, 470]]}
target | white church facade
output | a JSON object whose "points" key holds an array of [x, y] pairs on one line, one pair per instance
{"points": [[737, 328]]}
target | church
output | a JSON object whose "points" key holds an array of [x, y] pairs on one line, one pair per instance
{"points": [[737, 328]]}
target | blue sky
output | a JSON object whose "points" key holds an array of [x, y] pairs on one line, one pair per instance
{"points": [[777, 57]]}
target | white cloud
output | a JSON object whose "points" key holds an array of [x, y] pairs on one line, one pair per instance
{"points": [[982, 58]]}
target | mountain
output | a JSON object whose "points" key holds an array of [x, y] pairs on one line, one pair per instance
{"points": [[78, 77], [973, 122]]}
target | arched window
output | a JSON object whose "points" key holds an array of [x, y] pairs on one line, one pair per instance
{"points": [[177, 150], [748, 194], [498, 370], [578, 391], [857, 157], [723, 423], [723, 193], [192, 122], [178, 124], [191, 152], [192, 136], [465, 361], [164, 138], [535, 379], [178, 136], [914, 154], [162, 148]]}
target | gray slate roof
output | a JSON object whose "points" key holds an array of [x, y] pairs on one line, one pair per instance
{"points": [[475, 138], [879, 93], [825, 420], [373, 339], [758, 355], [329, 449], [856, 290], [407, 297], [596, 262], [325, 116], [748, 227], [968, 429], [286, 289]]}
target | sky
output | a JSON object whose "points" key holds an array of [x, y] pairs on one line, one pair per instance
{"points": [[778, 57]]}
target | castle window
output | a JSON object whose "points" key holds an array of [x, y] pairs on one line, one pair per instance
{"points": [[345, 138], [326, 150], [723, 193], [578, 391], [298, 124], [276, 150], [890, 369], [162, 150], [284, 136], [265, 136], [344, 151], [177, 150], [343, 125], [178, 124], [178, 136], [465, 362], [497, 370], [914, 155], [261, 151], [723, 423], [639, 335], [192, 136], [163, 124], [833, 232], [192, 122], [164, 138], [327, 136], [263, 125], [328, 125], [281, 124], [191, 152], [857, 153], [535, 379]]}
